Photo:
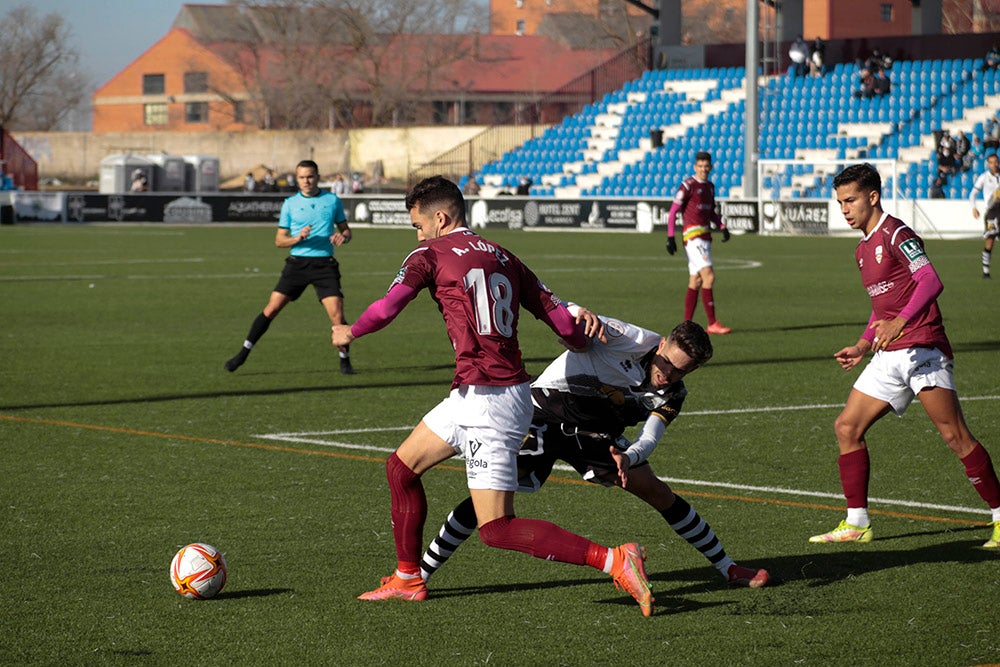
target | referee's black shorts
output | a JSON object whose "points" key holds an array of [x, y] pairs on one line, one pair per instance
{"points": [[323, 273]]}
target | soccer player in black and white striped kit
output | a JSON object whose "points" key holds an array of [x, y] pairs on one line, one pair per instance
{"points": [[583, 402]]}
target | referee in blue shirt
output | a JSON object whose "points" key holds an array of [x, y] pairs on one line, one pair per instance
{"points": [[311, 223]]}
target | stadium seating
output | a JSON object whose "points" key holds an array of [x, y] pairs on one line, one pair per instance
{"points": [[640, 141]]}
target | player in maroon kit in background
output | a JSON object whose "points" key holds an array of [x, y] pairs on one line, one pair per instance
{"points": [[695, 201], [912, 355], [479, 288]]}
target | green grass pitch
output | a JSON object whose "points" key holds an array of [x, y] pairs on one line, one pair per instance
{"points": [[122, 438]]}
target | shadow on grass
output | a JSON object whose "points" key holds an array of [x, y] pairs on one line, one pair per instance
{"points": [[253, 593], [825, 564], [821, 565]]}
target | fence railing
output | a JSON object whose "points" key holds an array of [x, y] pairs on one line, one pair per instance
{"points": [[16, 163]]}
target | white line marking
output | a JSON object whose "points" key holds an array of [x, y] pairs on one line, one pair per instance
{"points": [[304, 438]]}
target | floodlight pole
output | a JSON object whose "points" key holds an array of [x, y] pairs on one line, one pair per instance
{"points": [[753, 108]]}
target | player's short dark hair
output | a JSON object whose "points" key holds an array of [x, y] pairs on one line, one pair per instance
{"points": [[308, 164], [702, 155], [693, 340], [437, 192], [865, 175]]}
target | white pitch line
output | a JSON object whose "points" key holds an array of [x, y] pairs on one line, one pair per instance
{"points": [[301, 437]]}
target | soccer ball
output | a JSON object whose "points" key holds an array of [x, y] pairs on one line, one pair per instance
{"points": [[198, 571]]}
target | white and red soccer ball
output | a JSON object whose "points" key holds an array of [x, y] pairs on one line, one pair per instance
{"points": [[198, 571]]}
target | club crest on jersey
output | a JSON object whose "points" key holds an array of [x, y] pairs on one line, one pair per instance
{"points": [[614, 329], [878, 254]]}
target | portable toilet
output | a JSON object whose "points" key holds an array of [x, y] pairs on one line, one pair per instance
{"points": [[201, 173], [169, 172], [117, 171]]}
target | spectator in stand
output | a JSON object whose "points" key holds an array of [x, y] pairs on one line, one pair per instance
{"points": [[991, 134], [878, 61], [947, 164], [139, 181], [357, 185], [866, 88], [339, 186], [249, 183], [992, 59], [882, 84], [269, 184], [524, 186], [976, 151], [937, 187], [962, 148], [799, 54], [819, 52], [471, 186]]}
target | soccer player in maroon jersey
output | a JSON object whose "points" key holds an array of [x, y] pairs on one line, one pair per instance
{"points": [[912, 355], [479, 288], [695, 201]]}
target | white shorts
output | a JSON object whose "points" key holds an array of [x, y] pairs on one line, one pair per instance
{"points": [[699, 252], [897, 376], [485, 425]]}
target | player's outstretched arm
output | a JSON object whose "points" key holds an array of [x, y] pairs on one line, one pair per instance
{"points": [[376, 316]]}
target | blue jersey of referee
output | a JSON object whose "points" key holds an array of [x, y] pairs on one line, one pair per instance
{"points": [[323, 212]]}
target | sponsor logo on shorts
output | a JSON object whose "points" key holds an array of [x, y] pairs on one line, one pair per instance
{"points": [[472, 462]]}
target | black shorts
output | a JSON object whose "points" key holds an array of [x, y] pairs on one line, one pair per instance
{"points": [[323, 273], [993, 212], [586, 451]]}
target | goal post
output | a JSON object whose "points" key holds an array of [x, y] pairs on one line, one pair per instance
{"points": [[784, 182]]}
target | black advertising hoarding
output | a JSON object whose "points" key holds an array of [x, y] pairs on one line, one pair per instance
{"points": [[379, 211], [801, 217]]}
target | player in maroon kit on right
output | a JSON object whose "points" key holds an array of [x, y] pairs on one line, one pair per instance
{"points": [[695, 201], [479, 288], [912, 355]]}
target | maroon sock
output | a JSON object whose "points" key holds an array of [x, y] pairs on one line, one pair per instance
{"points": [[409, 510], [980, 471], [708, 299], [690, 301], [541, 539], [855, 469]]}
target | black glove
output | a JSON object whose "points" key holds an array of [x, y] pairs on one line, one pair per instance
{"points": [[725, 234], [671, 245]]}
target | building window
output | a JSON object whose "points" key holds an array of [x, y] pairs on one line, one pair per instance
{"points": [[520, 27], [441, 110], [519, 4], [154, 114], [196, 112], [239, 111], [153, 84], [503, 113], [887, 12], [195, 82]]}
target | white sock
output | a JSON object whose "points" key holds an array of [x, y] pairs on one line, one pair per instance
{"points": [[609, 561], [723, 566], [404, 575], [857, 516], [248, 345], [996, 513]]}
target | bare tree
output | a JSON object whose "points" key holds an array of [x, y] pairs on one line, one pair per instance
{"points": [[337, 62], [40, 83]]}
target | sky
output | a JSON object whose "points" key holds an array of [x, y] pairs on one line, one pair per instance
{"points": [[109, 34]]}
